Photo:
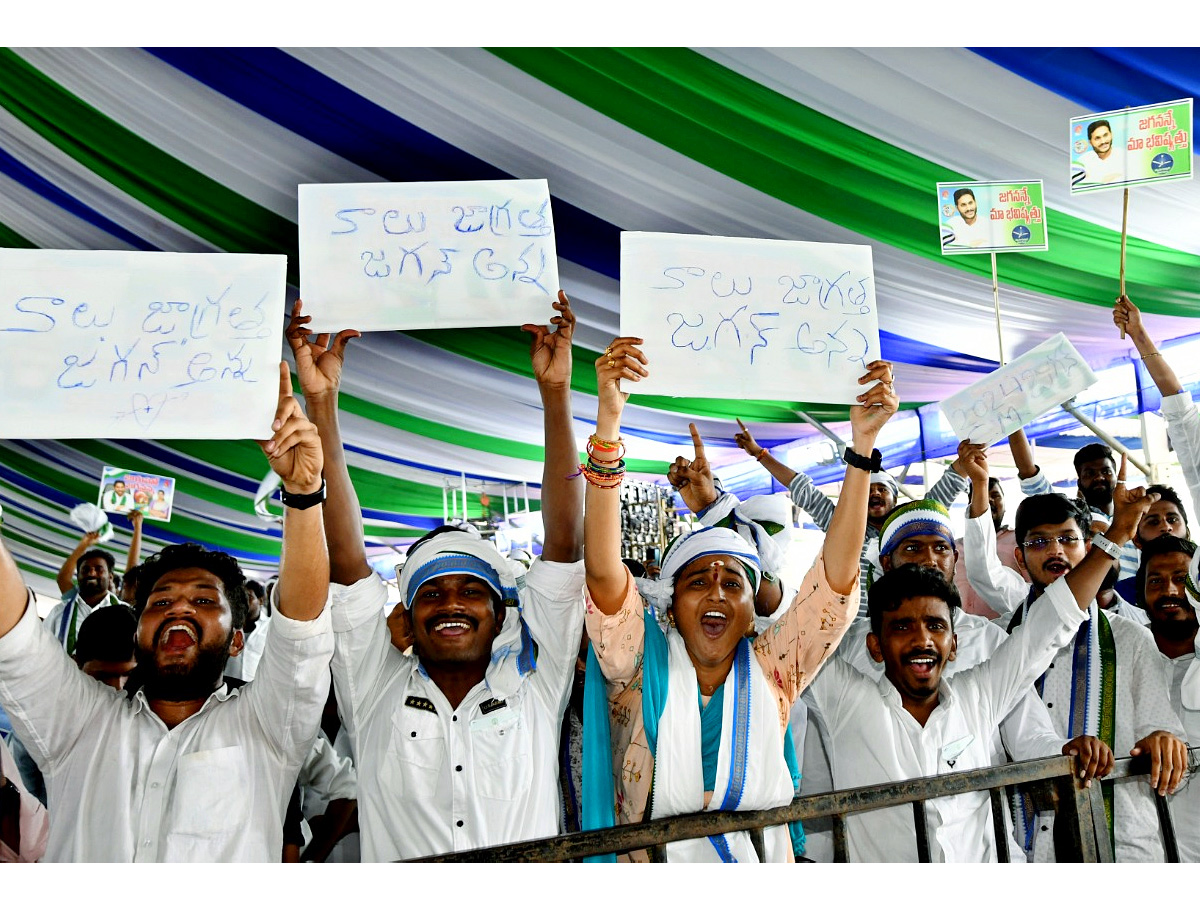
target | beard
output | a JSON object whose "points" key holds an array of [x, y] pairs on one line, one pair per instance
{"points": [[182, 681], [1174, 629], [1098, 495]]}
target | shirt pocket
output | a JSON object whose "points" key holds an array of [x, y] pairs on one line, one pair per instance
{"points": [[212, 796], [502, 747], [417, 753]]}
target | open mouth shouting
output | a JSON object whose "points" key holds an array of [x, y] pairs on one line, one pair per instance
{"points": [[1056, 568], [178, 637], [713, 623]]}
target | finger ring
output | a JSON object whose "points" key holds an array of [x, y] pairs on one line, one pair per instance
{"points": [[612, 363], [1120, 481], [608, 351]]}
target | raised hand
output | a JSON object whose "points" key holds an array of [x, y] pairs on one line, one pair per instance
{"points": [[876, 405], [966, 453], [1127, 317], [693, 478], [746, 441], [550, 351], [1129, 504], [622, 359], [294, 450], [319, 363]]}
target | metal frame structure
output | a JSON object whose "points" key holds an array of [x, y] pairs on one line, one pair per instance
{"points": [[1081, 828]]}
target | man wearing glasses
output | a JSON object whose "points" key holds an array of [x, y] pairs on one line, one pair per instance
{"points": [[1106, 682]]}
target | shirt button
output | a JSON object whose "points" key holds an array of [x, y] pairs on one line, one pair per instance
{"points": [[414, 734], [459, 823], [1049, 706], [454, 718], [458, 768], [1045, 828], [154, 784], [1052, 665]]}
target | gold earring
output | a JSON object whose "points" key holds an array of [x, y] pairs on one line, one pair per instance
{"points": [[671, 618]]}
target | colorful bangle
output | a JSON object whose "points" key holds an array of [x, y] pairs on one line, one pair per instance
{"points": [[603, 476], [761, 453], [595, 443]]}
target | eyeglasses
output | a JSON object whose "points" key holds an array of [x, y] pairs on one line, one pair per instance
{"points": [[1067, 540]]}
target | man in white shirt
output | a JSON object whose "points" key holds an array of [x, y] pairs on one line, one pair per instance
{"points": [[456, 743], [258, 624], [1168, 598], [1106, 163], [916, 723], [968, 230], [1107, 682], [181, 769]]}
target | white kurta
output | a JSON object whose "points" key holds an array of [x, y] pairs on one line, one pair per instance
{"points": [[1185, 802], [877, 741], [1143, 705], [437, 780], [126, 789]]}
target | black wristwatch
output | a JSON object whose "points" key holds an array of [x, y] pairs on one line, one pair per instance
{"points": [[872, 463], [302, 501]]}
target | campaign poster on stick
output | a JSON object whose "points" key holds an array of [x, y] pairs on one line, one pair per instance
{"points": [[123, 491], [991, 217], [434, 254], [126, 344], [749, 318], [1124, 147], [1017, 393]]}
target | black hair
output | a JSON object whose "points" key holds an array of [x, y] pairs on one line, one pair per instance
{"points": [[1099, 123], [257, 589], [1092, 452], [993, 481], [107, 634], [962, 192], [1166, 492], [187, 556], [636, 568], [1050, 509], [908, 581], [1160, 546], [100, 552]]}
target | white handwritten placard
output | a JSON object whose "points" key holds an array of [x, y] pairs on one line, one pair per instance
{"points": [[1017, 393], [410, 255], [747, 318], [117, 344]]}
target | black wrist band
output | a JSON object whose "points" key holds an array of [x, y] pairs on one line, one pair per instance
{"points": [[302, 501], [872, 463]]}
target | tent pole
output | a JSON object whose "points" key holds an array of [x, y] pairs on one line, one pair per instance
{"points": [[1105, 436], [821, 427], [900, 482]]}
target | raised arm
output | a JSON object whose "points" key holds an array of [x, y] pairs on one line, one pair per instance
{"points": [[319, 367], [1000, 587], [1126, 315], [562, 495], [66, 573], [1128, 506], [135, 542], [606, 574], [778, 470], [294, 452], [843, 538]]}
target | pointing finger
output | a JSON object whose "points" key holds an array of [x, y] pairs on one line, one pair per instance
{"points": [[697, 443]]}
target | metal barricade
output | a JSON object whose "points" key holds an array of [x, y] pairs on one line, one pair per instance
{"points": [[1081, 827]]}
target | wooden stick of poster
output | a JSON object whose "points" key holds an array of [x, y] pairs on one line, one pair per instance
{"points": [[1124, 233], [996, 299]]}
